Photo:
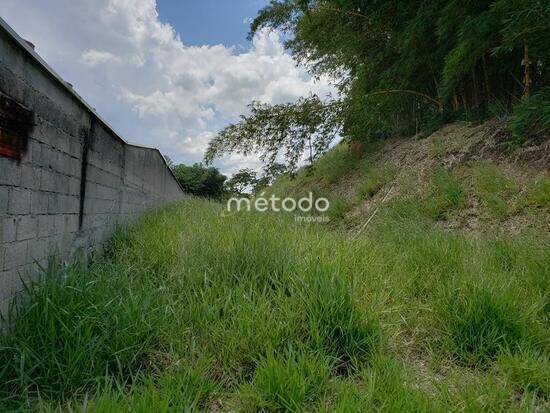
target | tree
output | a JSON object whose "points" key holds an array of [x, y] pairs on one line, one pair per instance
{"points": [[242, 181], [282, 131], [270, 173], [400, 67], [200, 181]]}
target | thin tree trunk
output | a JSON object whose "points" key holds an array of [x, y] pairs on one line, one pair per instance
{"points": [[527, 74], [486, 75], [476, 96]]}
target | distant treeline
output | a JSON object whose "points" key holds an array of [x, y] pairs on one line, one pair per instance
{"points": [[208, 182]]}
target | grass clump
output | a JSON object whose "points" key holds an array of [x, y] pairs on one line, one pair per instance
{"points": [[336, 326], [336, 163], [437, 147], [373, 180], [385, 386], [528, 371], [445, 195], [494, 189], [538, 194], [178, 390], [287, 382], [482, 323], [338, 208], [77, 332]]}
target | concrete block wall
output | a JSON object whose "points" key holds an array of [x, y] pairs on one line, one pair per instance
{"points": [[78, 178]]}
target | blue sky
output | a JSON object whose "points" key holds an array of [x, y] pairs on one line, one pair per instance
{"points": [[168, 74], [210, 21]]}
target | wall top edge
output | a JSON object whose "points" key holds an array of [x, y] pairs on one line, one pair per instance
{"points": [[24, 45]]}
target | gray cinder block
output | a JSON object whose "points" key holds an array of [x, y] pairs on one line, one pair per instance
{"points": [[27, 227], [19, 201], [15, 255]]}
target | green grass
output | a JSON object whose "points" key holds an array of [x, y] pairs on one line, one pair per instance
{"points": [[482, 323], [286, 382], [336, 163], [338, 208], [437, 148], [373, 179], [494, 189], [538, 194], [445, 194], [192, 311], [333, 166], [531, 117]]}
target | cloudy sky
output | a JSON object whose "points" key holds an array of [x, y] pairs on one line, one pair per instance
{"points": [[165, 73]]}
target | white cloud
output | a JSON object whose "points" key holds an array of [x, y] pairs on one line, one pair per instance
{"points": [[153, 88], [95, 57]]}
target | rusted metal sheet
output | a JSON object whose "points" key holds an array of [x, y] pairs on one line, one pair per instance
{"points": [[16, 124]]}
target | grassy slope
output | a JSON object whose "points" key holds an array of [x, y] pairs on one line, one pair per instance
{"points": [[190, 310], [459, 178]]}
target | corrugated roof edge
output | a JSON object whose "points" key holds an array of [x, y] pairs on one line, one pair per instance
{"points": [[45, 66]]}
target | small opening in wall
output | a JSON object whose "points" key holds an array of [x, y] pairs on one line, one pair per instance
{"points": [[16, 124]]}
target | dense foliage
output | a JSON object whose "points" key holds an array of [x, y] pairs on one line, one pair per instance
{"points": [[532, 116], [400, 66], [199, 180]]}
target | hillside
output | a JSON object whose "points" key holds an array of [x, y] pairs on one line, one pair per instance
{"points": [[465, 176], [196, 310]]}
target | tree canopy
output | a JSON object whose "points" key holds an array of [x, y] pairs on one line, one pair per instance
{"points": [[280, 131], [242, 181], [401, 66], [199, 180]]}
